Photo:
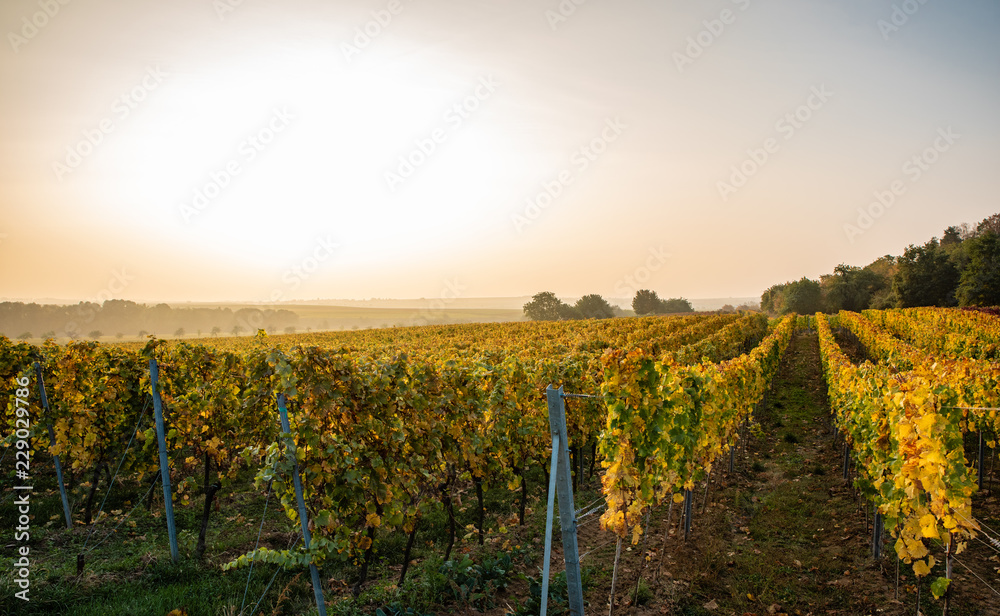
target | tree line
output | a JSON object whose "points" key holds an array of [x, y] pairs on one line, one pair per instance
{"points": [[122, 318], [545, 306], [962, 268]]}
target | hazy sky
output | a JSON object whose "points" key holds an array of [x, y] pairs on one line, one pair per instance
{"points": [[255, 149]]}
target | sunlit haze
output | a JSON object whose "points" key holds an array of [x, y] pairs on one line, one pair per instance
{"points": [[258, 150]]}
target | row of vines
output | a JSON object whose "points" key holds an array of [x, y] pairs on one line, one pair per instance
{"points": [[387, 423], [931, 380]]}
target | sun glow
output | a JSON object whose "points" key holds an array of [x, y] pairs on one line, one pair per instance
{"points": [[239, 154]]}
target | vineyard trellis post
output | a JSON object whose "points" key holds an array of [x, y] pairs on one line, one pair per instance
{"points": [[560, 475], [168, 501], [982, 454], [303, 518], [52, 438]]}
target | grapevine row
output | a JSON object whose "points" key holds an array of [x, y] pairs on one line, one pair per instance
{"points": [[907, 438]]}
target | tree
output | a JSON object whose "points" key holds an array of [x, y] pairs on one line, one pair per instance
{"points": [[96, 334], [179, 332], [979, 283], [237, 329], [290, 329], [803, 296], [952, 235], [568, 313], [594, 307], [926, 276], [216, 330], [989, 224], [646, 302], [772, 299], [850, 288], [544, 306], [25, 336], [675, 304]]}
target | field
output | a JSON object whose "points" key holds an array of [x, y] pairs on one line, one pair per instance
{"points": [[423, 456]]}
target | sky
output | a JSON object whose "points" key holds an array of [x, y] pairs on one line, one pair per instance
{"points": [[256, 150]]}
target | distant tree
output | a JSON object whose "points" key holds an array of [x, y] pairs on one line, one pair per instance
{"points": [[926, 276], [143, 333], [803, 296], [979, 283], [675, 304], [216, 330], [884, 267], [952, 235], [119, 335], [749, 307], [25, 336], [884, 299], [544, 306], [237, 329], [727, 309], [773, 298], [179, 332], [850, 288], [49, 334], [568, 312], [594, 307], [989, 224], [95, 334], [646, 302], [290, 329]]}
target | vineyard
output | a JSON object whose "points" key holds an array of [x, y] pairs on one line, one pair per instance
{"points": [[441, 434]]}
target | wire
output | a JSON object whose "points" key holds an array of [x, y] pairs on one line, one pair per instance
{"points": [[273, 577], [120, 462], [976, 576], [592, 503], [122, 521], [260, 530], [972, 408], [603, 545], [995, 543]]}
